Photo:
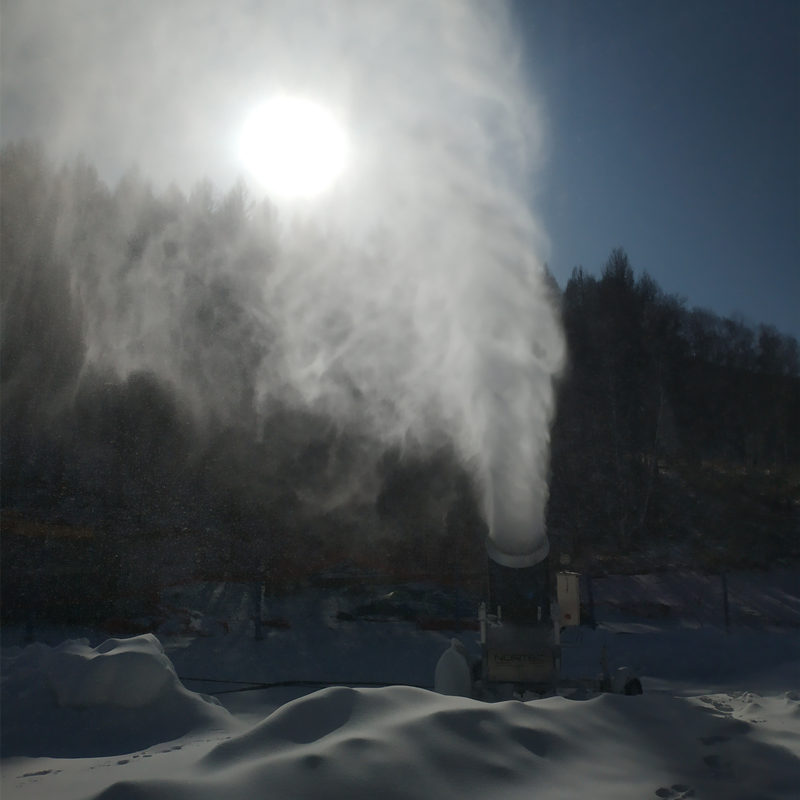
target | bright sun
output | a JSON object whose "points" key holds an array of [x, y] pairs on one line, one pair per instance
{"points": [[294, 147]]}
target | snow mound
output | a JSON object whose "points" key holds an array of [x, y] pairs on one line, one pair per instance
{"points": [[396, 742], [122, 695], [120, 672], [399, 743]]}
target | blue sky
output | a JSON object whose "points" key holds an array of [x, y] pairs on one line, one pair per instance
{"points": [[674, 132]]}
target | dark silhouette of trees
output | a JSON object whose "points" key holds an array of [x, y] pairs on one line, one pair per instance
{"points": [[138, 357], [659, 402], [142, 383]]}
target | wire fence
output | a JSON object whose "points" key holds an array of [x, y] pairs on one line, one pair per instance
{"points": [[730, 599]]}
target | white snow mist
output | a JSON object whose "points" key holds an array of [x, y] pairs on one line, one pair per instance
{"points": [[410, 299]]}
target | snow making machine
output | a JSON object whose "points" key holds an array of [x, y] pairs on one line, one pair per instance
{"points": [[519, 640], [522, 619]]}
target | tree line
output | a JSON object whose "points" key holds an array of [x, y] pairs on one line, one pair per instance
{"points": [[142, 386], [674, 423], [132, 335]]}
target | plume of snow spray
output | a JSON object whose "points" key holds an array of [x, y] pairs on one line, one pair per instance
{"points": [[411, 299]]}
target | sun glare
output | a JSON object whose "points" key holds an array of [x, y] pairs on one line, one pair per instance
{"points": [[293, 147]]}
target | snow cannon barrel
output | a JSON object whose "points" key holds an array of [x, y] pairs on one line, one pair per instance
{"points": [[519, 587]]}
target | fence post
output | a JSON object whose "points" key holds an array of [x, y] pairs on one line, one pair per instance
{"points": [[256, 592], [590, 600], [725, 606]]}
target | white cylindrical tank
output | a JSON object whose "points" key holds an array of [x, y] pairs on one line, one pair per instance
{"points": [[453, 675]]}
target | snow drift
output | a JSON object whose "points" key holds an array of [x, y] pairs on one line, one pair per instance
{"points": [[399, 743], [120, 696], [123, 698]]}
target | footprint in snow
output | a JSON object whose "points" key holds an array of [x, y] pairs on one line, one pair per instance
{"points": [[721, 768], [678, 791], [39, 773], [709, 740], [716, 704]]}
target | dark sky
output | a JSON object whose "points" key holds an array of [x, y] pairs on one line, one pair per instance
{"points": [[674, 132]]}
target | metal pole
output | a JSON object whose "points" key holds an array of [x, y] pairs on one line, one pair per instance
{"points": [[725, 606], [256, 591], [590, 600]]}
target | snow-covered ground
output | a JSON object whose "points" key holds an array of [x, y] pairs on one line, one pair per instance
{"points": [[124, 717]]}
